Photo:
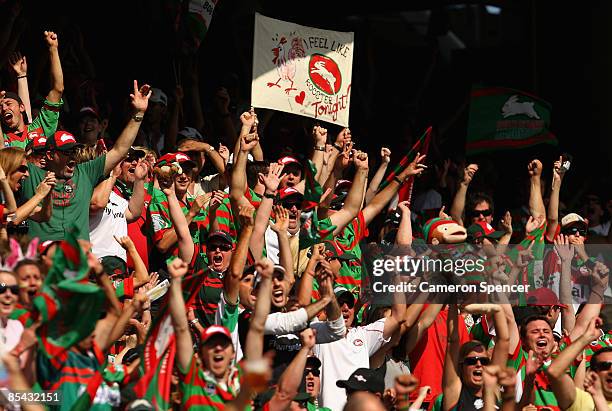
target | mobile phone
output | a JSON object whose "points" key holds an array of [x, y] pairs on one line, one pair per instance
{"points": [[566, 161]]}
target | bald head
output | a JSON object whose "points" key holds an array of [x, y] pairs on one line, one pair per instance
{"points": [[364, 401]]}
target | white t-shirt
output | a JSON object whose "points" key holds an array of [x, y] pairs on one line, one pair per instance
{"points": [[341, 358], [104, 224]]}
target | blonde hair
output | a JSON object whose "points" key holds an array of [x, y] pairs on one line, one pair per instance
{"points": [[11, 159], [85, 154], [147, 151]]}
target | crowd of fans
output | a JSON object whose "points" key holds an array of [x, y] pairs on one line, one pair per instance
{"points": [[265, 280]]}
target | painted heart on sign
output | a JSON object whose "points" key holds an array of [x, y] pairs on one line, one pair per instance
{"points": [[300, 98]]}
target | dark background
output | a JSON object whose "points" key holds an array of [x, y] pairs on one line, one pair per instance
{"points": [[404, 76]]}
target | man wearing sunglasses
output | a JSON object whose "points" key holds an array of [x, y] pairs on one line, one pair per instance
{"points": [[219, 251], [575, 228], [72, 193]]}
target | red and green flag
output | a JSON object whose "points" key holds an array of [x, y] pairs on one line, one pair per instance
{"points": [[503, 118], [198, 19], [68, 305], [313, 230], [421, 146], [157, 358]]}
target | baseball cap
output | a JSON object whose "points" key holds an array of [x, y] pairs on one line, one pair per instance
{"points": [[313, 362], [136, 153], [39, 144], [158, 96], [214, 330], [220, 234], [140, 405], [14, 96], [289, 160], [482, 229], [342, 185], [393, 217], [189, 133], [43, 247], [342, 293], [338, 200], [289, 192], [364, 379], [572, 218], [89, 111], [170, 158], [543, 297], [62, 141]]}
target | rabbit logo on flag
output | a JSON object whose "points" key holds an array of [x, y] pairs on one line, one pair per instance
{"points": [[302, 70]]}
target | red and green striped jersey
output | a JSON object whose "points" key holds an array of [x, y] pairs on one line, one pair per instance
{"points": [[201, 391], [544, 397], [71, 375], [159, 213], [209, 295], [225, 218], [350, 275], [45, 124]]}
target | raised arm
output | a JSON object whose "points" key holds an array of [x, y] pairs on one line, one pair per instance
{"points": [[180, 225], [20, 67], [599, 283], [502, 335], [281, 223], [136, 203], [458, 205], [239, 180], [290, 380], [254, 341], [140, 100], [553, 203], [381, 199], [566, 252], [451, 382], [176, 303], [208, 150], [57, 76], [231, 285], [31, 208], [536, 203], [101, 194], [404, 231], [271, 182], [318, 155], [562, 384], [141, 274], [385, 155], [353, 201]]}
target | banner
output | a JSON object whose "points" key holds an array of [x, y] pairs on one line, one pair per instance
{"points": [[503, 118], [302, 70]]}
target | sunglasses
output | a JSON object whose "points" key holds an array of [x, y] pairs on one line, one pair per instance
{"points": [[474, 360], [278, 275], [484, 213], [220, 246], [289, 204], [346, 300], [14, 288], [575, 231], [314, 372], [22, 169], [601, 366]]}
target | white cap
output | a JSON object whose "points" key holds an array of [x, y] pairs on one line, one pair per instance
{"points": [[572, 218]]}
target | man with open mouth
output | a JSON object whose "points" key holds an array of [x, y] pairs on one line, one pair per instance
{"points": [[17, 131], [75, 182]]}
